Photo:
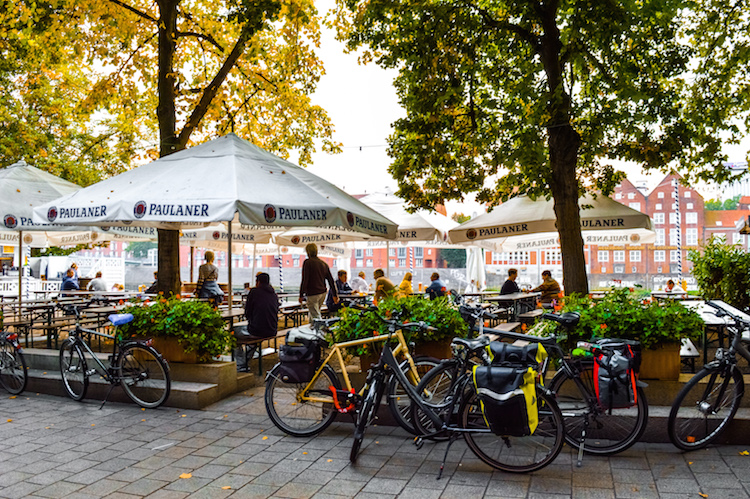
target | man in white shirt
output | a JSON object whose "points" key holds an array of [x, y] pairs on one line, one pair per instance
{"points": [[97, 284], [358, 284]]}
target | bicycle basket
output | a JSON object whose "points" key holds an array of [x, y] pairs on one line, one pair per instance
{"points": [[299, 361], [507, 396]]}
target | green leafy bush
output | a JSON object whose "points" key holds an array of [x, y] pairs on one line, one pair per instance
{"points": [[621, 314], [723, 273], [440, 314], [197, 325]]}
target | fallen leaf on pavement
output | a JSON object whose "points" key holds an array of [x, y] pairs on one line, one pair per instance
{"points": [[186, 475]]}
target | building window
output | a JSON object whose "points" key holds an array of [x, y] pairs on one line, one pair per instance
{"points": [[402, 262], [736, 238], [687, 194], [691, 218], [604, 270], [659, 237], [618, 195], [673, 237], [369, 251], [418, 262], [718, 223], [358, 253], [690, 206], [658, 269], [674, 255], [672, 218], [369, 263], [720, 238], [358, 263], [618, 256], [660, 195], [631, 195], [418, 252], [691, 237], [603, 256], [635, 206], [392, 263], [659, 218], [635, 255], [634, 269], [659, 256], [392, 252], [402, 252], [619, 269], [658, 206]]}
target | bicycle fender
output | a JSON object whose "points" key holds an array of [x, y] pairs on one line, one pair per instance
{"points": [[268, 374]]}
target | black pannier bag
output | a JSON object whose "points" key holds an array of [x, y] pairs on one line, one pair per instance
{"points": [[507, 396], [615, 376], [298, 361], [506, 353]]}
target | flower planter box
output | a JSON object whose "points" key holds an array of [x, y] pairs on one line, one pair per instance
{"points": [[662, 363], [172, 351]]}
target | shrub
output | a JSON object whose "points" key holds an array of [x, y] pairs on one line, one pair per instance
{"points": [[440, 314], [723, 273], [197, 325]]}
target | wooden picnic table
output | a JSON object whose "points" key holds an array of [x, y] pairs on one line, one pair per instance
{"points": [[517, 303], [675, 295]]}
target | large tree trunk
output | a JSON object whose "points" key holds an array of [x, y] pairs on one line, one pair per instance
{"points": [[564, 143], [169, 240]]}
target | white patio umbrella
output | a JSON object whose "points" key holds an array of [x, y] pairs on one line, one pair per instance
{"points": [[524, 224], [211, 183]]}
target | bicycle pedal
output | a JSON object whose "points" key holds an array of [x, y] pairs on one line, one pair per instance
{"points": [[90, 372], [418, 442]]}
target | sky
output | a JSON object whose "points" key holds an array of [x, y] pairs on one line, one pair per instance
{"points": [[362, 103]]}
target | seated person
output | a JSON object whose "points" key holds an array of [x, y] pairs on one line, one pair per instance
{"points": [[262, 313], [154, 286], [69, 282], [550, 289], [341, 287], [405, 289], [97, 283], [510, 285], [383, 286], [359, 285], [670, 286], [437, 288]]}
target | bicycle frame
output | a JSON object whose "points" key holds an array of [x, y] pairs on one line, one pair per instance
{"points": [[103, 370], [401, 349]]}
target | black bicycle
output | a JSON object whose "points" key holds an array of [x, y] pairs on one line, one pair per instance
{"points": [[13, 375], [134, 364], [589, 425], [708, 402], [504, 452]]}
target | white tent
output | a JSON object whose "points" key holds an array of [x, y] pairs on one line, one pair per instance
{"points": [[213, 182], [523, 224]]}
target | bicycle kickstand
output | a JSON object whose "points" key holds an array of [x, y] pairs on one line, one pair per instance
{"points": [[579, 463], [453, 438], [111, 387]]}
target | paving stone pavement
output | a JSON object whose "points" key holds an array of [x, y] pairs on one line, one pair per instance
{"points": [[55, 447]]}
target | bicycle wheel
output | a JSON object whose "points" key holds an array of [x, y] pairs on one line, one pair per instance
{"points": [[13, 375], [144, 375], [608, 432], [297, 417], [435, 388], [398, 401], [73, 369], [366, 414], [515, 454], [705, 406]]}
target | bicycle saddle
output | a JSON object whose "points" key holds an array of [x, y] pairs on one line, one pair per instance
{"points": [[120, 319], [567, 320], [475, 344]]}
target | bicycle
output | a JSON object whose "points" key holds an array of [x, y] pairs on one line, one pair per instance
{"points": [[13, 375], [133, 364], [306, 409], [504, 452], [708, 402], [589, 427]]}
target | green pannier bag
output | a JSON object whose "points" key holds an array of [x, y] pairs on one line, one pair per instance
{"points": [[507, 396]]}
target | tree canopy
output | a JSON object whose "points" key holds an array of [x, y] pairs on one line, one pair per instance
{"points": [[506, 97], [718, 204]]}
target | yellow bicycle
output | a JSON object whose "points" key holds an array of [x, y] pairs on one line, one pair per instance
{"points": [[306, 408]]}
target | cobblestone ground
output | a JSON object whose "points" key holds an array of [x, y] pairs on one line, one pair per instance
{"points": [[55, 447]]}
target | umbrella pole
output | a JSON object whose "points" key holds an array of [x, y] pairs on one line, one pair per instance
{"points": [[192, 262], [253, 279], [20, 268], [388, 259], [229, 250]]}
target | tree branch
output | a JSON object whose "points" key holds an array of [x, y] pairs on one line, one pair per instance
{"points": [[210, 91], [210, 39], [133, 10], [517, 30]]}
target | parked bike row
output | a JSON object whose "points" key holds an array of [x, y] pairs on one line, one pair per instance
{"points": [[492, 393]]}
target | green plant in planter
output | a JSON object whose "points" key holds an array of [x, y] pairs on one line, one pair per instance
{"points": [[196, 325], [620, 314], [440, 314], [723, 273]]}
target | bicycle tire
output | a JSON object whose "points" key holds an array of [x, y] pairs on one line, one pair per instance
{"points": [[515, 454], [144, 375], [607, 433], [366, 414], [73, 370], [13, 375], [398, 401], [293, 416], [690, 426], [435, 387]]}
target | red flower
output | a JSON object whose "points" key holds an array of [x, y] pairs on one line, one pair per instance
{"points": [[602, 326]]}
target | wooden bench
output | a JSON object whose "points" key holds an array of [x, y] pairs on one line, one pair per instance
{"points": [[257, 345], [531, 316]]}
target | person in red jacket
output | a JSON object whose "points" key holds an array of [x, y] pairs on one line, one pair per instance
{"points": [[315, 274]]}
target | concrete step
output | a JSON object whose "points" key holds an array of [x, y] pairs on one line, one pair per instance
{"points": [[193, 386]]}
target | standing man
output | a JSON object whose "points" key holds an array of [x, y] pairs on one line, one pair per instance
{"points": [[315, 274], [510, 286], [550, 289]]}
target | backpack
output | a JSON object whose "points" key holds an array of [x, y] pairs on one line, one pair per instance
{"points": [[507, 396], [298, 361], [615, 375]]}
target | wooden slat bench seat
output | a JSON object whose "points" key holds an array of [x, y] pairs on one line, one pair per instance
{"points": [[531, 316], [256, 344]]}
